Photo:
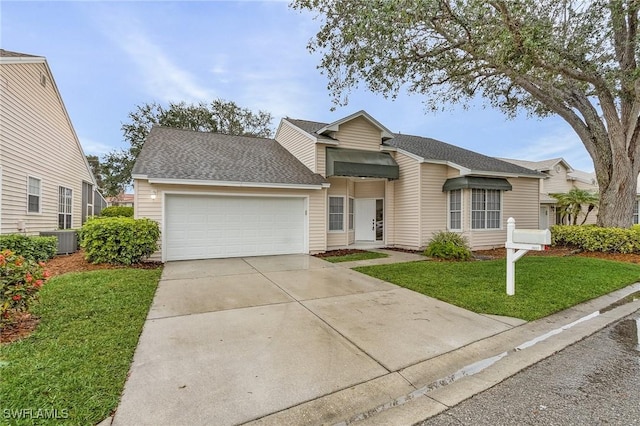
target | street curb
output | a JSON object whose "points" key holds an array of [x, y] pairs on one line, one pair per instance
{"points": [[425, 389]]}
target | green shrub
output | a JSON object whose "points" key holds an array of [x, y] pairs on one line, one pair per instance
{"points": [[448, 245], [119, 240], [38, 249], [117, 211], [594, 238], [20, 282]]}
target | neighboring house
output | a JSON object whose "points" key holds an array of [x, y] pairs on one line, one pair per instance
{"points": [[320, 186], [45, 180], [560, 177], [121, 200]]}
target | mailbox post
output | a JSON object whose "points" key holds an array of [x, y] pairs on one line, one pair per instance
{"points": [[519, 242]]}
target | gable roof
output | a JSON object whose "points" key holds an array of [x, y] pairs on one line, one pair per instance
{"points": [[433, 150], [541, 166], [318, 130], [386, 133], [200, 157], [545, 165]]}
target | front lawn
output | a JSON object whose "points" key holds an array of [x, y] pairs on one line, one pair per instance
{"points": [[544, 285], [74, 365]]}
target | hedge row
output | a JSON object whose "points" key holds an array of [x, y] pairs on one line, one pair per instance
{"points": [[38, 249], [117, 211], [119, 240], [594, 238]]}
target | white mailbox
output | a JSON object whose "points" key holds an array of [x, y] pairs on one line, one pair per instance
{"points": [[532, 236], [519, 242]]}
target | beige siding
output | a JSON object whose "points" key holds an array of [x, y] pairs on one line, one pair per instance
{"points": [[407, 203], [321, 159], [557, 181], [369, 189], [146, 207], [389, 212], [433, 200], [36, 139], [522, 203], [359, 133], [342, 187], [303, 148]]}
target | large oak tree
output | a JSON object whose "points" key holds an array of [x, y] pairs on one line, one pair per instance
{"points": [[219, 116], [574, 58]]}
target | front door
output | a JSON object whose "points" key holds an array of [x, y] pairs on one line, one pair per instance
{"points": [[365, 210], [544, 218]]}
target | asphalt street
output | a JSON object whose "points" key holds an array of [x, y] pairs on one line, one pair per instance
{"points": [[593, 382]]}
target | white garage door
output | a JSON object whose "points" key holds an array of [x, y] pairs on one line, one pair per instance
{"points": [[204, 227]]}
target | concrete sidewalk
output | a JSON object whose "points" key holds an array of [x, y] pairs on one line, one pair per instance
{"points": [[297, 340]]}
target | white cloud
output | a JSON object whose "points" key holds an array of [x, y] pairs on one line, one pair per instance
{"points": [[162, 78], [93, 147], [560, 143], [159, 75]]}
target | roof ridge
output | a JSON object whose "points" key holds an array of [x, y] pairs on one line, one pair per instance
{"points": [[11, 53], [210, 133]]}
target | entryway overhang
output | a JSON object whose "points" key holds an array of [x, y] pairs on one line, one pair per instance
{"points": [[357, 163], [473, 182]]}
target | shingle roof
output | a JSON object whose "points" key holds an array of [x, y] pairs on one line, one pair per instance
{"points": [[183, 154], [10, 54], [432, 149], [541, 165], [310, 127]]}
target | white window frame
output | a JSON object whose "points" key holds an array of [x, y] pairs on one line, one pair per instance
{"points": [[636, 214], [63, 205], [485, 210], [90, 196], [449, 211], [350, 214], [39, 194], [341, 213]]}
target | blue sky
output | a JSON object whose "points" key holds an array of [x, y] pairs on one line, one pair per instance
{"points": [[108, 57]]}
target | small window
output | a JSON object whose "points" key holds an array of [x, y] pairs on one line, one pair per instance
{"points": [[64, 207], [635, 213], [336, 214], [34, 194], [485, 209], [455, 209], [350, 214]]}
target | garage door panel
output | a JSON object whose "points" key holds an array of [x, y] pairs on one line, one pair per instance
{"points": [[200, 227]]}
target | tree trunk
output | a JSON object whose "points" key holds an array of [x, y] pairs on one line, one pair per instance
{"points": [[617, 194]]}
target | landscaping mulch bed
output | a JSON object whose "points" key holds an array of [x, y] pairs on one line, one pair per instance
{"points": [[22, 326], [25, 324], [341, 252], [77, 263], [403, 250]]}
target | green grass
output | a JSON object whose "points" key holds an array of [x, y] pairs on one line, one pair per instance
{"points": [[77, 360], [544, 285], [356, 256]]}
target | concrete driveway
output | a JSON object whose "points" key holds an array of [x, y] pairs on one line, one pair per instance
{"points": [[228, 341]]}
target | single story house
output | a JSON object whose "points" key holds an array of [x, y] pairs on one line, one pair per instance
{"points": [[319, 186]]}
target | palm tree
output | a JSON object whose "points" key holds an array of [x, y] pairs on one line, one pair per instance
{"points": [[572, 202]]}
